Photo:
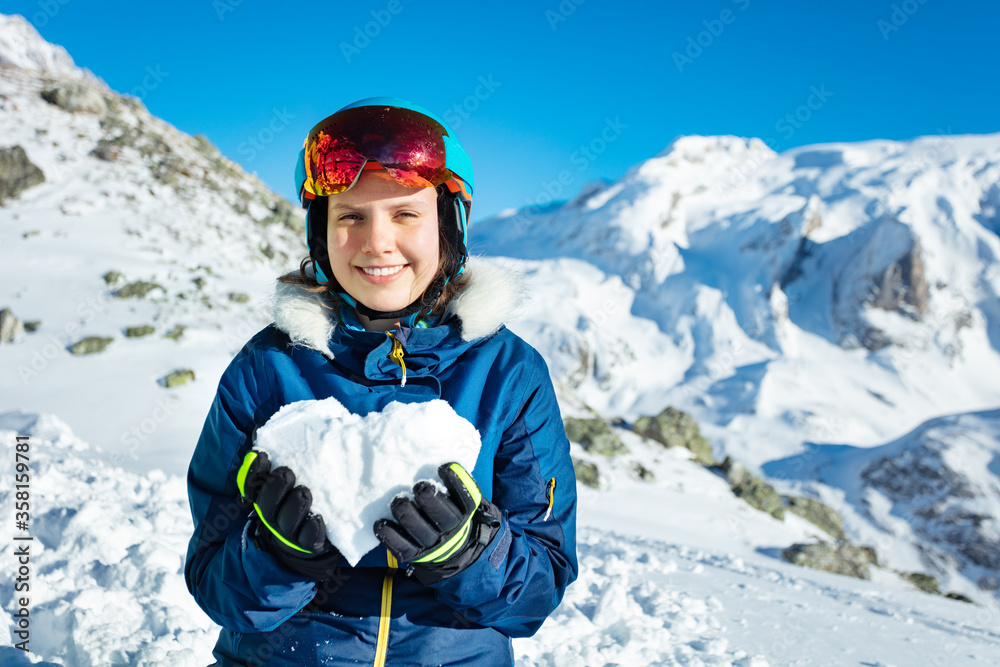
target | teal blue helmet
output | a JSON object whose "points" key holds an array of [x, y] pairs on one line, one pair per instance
{"points": [[415, 147]]}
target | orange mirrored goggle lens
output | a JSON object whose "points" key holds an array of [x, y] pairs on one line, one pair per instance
{"points": [[409, 145]]}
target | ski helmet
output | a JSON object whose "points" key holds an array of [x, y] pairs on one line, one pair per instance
{"points": [[416, 148]]}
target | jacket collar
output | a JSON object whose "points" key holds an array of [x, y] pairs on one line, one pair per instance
{"points": [[491, 297]]}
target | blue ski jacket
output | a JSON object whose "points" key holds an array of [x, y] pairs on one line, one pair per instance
{"points": [[373, 614]]}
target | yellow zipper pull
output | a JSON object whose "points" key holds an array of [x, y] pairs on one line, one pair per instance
{"points": [[396, 354]]}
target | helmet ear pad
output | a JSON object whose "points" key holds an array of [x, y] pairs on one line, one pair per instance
{"points": [[316, 225], [450, 217]]}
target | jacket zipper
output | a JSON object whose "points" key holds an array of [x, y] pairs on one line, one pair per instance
{"points": [[382, 643], [396, 354]]}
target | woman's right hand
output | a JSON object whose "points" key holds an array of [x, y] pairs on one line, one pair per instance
{"points": [[283, 524]]}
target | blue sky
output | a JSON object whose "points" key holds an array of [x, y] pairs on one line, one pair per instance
{"points": [[546, 95]]}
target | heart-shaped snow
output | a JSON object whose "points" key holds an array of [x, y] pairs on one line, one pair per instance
{"points": [[354, 466]]}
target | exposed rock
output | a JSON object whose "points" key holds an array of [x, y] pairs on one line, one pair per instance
{"points": [[674, 428], [11, 328], [946, 505], [284, 213], [17, 173], [841, 558], [239, 297], [76, 97], [139, 332], [587, 473], [903, 281], [957, 596], [886, 271], [112, 277], [755, 491], [106, 151], [178, 377], [138, 289], [32, 325], [821, 515], [175, 333], [924, 582], [642, 473], [90, 345], [199, 282], [595, 435], [120, 132]]}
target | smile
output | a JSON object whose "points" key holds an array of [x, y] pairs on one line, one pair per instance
{"points": [[382, 270]]}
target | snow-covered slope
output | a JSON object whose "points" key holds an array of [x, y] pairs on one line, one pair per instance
{"points": [[21, 47], [125, 192], [807, 307], [697, 587], [930, 498]]}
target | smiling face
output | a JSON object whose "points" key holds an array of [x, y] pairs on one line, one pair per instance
{"points": [[383, 241]]}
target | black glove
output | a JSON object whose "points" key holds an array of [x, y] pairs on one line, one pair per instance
{"points": [[440, 535], [283, 524]]}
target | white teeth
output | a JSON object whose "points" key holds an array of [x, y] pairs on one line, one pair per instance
{"points": [[381, 271]]}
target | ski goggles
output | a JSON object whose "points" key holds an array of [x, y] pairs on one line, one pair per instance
{"points": [[411, 147]]}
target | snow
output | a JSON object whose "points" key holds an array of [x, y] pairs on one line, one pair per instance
{"points": [[354, 466], [22, 47], [657, 586], [717, 277], [106, 580]]}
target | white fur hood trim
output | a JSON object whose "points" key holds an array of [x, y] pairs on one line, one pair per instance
{"points": [[491, 297]]}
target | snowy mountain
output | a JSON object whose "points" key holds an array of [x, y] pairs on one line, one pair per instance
{"points": [[832, 268], [829, 315], [22, 48], [829, 296], [134, 225]]}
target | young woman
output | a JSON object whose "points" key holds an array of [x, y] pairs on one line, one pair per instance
{"points": [[387, 307]]}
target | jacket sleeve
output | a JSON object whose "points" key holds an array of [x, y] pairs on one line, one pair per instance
{"points": [[239, 586], [521, 576]]}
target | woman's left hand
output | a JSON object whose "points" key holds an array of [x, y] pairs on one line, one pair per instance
{"points": [[440, 534]]}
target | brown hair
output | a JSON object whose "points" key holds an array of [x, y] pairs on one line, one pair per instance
{"points": [[447, 256]]}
